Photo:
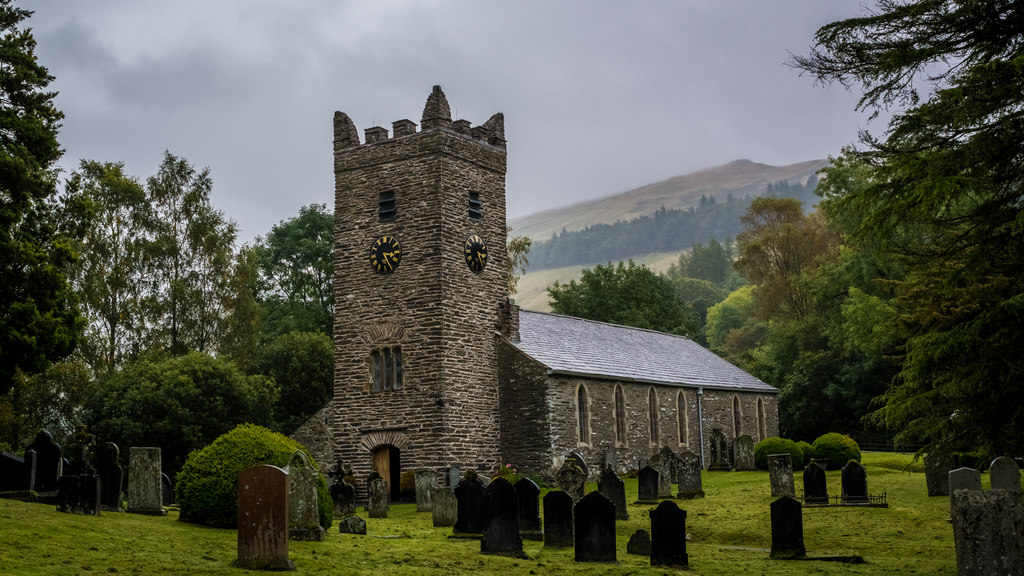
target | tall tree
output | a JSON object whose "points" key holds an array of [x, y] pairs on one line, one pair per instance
{"points": [[39, 322], [518, 249]]}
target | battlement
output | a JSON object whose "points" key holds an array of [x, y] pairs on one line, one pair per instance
{"points": [[437, 115]]}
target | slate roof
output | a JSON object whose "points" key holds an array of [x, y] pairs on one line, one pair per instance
{"points": [[577, 347]]}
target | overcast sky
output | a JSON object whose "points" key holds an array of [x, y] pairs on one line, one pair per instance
{"points": [[599, 97]]}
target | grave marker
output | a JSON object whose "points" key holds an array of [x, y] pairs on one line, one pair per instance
{"points": [[377, 494], [647, 485], [988, 532], [815, 484], [719, 451], [79, 493], [780, 474], [111, 475], [471, 515], [614, 488], [558, 520], [49, 462], [663, 464], [936, 474], [444, 507], [263, 518], [963, 479], [303, 502], [689, 476], [571, 478], [743, 452], [639, 543], [528, 493], [501, 532], [1004, 474], [855, 483], [668, 536], [352, 525], [787, 529], [594, 528], [145, 488], [426, 482]]}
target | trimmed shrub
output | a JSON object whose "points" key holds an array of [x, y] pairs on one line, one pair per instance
{"points": [[838, 448], [776, 445], [207, 486], [807, 450]]}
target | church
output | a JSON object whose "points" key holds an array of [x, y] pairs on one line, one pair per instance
{"points": [[436, 367]]}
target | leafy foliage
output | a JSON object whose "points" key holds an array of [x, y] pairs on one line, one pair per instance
{"points": [[302, 366], [776, 445], [51, 400], [518, 248], [837, 448]]}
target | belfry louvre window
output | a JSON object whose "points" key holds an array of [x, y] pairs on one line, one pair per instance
{"points": [[386, 206], [475, 209], [387, 369]]}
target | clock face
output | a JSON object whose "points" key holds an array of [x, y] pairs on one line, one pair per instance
{"points": [[476, 253], [385, 254]]}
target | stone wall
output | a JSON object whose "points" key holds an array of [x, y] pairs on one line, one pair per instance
{"points": [[524, 416], [315, 434]]}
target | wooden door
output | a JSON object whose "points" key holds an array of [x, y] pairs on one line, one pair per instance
{"points": [[382, 465]]}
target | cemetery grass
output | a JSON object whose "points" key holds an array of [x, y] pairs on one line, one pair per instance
{"points": [[729, 534]]}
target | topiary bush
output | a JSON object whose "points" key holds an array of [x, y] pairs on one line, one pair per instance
{"points": [[838, 448], [207, 486], [776, 445], [807, 450]]}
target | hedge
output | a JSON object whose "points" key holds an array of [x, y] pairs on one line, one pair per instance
{"points": [[776, 445]]}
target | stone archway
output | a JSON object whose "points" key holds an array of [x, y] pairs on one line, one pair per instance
{"points": [[385, 449]]}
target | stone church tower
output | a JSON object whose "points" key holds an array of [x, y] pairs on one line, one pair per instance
{"points": [[420, 289]]}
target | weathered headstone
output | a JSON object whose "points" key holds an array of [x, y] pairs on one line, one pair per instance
{"points": [[145, 490], [558, 522], [689, 477], [263, 518], [988, 532], [673, 466], [352, 525], [787, 529], [111, 475], [454, 475], [444, 507], [936, 474], [426, 482], [639, 543], [377, 498], [855, 483], [1004, 474], [663, 465], [579, 461], [719, 451], [49, 462], [344, 496], [303, 502], [530, 527], [963, 479], [780, 474], [501, 532], [571, 478], [668, 536], [647, 485], [472, 516], [614, 488], [815, 484], [79, 493], [594, 528], [611, 458], [743, 452]]}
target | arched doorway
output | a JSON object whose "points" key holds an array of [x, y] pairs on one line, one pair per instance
{"points": [[387, 462]]}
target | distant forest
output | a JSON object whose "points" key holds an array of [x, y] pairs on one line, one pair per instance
{"points": [[664, 231]]}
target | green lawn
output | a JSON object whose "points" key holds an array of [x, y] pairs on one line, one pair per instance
{"points": [[729, 534]]}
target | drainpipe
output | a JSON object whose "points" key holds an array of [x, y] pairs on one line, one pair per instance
{"points": [[700, 424]]}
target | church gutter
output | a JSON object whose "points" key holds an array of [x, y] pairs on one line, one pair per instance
{"points": [[700, 424]]}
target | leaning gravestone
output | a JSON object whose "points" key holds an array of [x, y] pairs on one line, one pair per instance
{"points": [[111, 475], [855, 483], [719, 451], [426, 482], [668, 536], [780, 474], [444, 507], [530, 527], [472, 516], [639, 544], [377, 495], [743, 452], [963, 479], [571, 478], [1004, 474], [352, 525], [501, 532], [787, 529], [936, 474], [689, 477], [988, 532], [49, 462], [647, 486], [663, 464], [594, 528], [815, 484], [558, 522], [145, 490], [303, 502], [263, 519], [614, 488]]}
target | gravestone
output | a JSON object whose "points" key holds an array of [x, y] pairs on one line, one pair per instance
{"points": [[743, 452], [344, 496], [303, 502], [719, 451], [639, 544], [79, 493], [454, 475], [49, 462], [352, 525], [647, 485], [780, 474], [614, 488], [578, 460], [815, 484], [594, 528], [1004, 474], [377, 496], [668, 536], [936, 474], [17, 473], [501, 532], [426, 482], [673, 466], [963, 479], [689, 477], [444, 507], [145, 489], [787, 529], [262, 518], [988, 532], [111, 475], [855, 483], [571, 478], [167, 489], [558, 522], [471, 515], [611, 458], [663, 465], [530, 527]]}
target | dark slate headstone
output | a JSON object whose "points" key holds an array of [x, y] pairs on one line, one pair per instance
{"points": [[377, 498], [472, 515], [668, 536], [444, 507], [344, 496], [168, 489], [936, 474], [352, 525], [49, 462], [1004, 474], [855, 483], [639, 544], [611, 458], [780, 474], [663, 465], [594, 528], [263, 519], [647, 485], [530, 526], [614, 488], [426, 482], [719, 451], [815, 484], [14, 472], [988, 532], [79, 494], [145, 489], [963, 479], [787, 529], [558, 523], [689, 476], [501, 532], [111, 475], [303, 501], [571, 478], [743, 452]]}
